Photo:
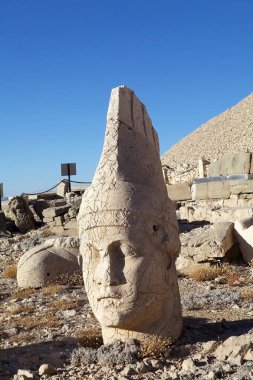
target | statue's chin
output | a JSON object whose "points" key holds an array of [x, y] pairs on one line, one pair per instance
{"points": [[114, 318]]}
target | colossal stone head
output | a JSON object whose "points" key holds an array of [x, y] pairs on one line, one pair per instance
{"points": [[128, 231]]}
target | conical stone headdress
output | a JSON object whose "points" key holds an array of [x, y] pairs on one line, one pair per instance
{"points": [[128, 187]]}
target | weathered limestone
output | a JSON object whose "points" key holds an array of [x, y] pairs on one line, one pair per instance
{"points": [[235, 349], [55, 211], [179, 191], [202, 167], [207, 242], [19, 212], [244, 231], [47, 261], [210, 190], [236, 163], [241, 187], [128, 231], [62, 188]]}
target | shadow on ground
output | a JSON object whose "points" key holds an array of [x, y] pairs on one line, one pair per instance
{"points": [[31, 356]]}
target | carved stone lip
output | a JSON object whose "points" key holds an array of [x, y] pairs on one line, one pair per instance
{"points": [[109, 297]]}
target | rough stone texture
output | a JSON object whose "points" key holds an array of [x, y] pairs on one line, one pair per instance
{"points": [[179, 191], [233, 163], [241, 187], [211, 241], [47, 261], [129, 232], [229, 132], [19, 212], [62, 188], [55, 211], [210, 190], [244, 232], [215, 211], [235, 348]]}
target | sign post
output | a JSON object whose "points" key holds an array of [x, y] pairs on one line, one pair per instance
{"points": [[1, 195], [68, 169]]}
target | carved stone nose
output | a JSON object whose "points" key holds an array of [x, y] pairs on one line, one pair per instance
{"points": [[107, 271]]}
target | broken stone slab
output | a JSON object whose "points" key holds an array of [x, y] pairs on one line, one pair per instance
{"points": [[244, 232], [19, 213], [44, 263], [55, 211], [179, 191], [206, 243], [235, 349]]}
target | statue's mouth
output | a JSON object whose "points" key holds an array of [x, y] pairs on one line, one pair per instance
{"points": [[109, 297]]}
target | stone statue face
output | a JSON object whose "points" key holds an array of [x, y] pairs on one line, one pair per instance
{"points": [[126, 275]]}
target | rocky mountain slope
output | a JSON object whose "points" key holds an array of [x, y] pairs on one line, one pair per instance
{"points": [[231, 131]]}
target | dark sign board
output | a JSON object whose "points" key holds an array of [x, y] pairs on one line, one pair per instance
{"points": [[68, 169], [1, 190]]}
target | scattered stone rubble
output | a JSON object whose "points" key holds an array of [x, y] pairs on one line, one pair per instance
{"points": [[23, 213], [51, 329]]}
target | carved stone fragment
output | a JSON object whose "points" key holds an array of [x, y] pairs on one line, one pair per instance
{"points": [[128, 231]]}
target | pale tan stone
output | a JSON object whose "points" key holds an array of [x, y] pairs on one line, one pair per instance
{"points": [[179, 191], [206, 242], [218, 189], [241, 187], [233, 163], [128, 231], [47, 261], [244, 231], [71, 224], [55, 211]]}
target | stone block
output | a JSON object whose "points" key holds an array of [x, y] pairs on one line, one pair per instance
{"points": [[235, 163], [218, 190], [53, 223], [48, 220], [55, 211], [57, 229], [241, 187], [59, 220], [71, 224], [179, 191], [199, 191], [62, 188], [244, 231], [203, 243], [210, 190]]}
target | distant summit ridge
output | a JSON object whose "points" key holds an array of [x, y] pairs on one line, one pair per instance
{"points": [[231, 131]]}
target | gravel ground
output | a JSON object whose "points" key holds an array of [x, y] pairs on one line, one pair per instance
{"points": [[54, 325]]}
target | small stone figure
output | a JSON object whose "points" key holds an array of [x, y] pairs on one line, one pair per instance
{"points": [[128, 231]]}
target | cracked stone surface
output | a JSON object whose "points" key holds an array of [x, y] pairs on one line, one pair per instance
{"points": [[128, 231]]}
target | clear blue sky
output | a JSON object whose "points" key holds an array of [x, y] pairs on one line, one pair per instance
{"points": [[187, 60]]}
